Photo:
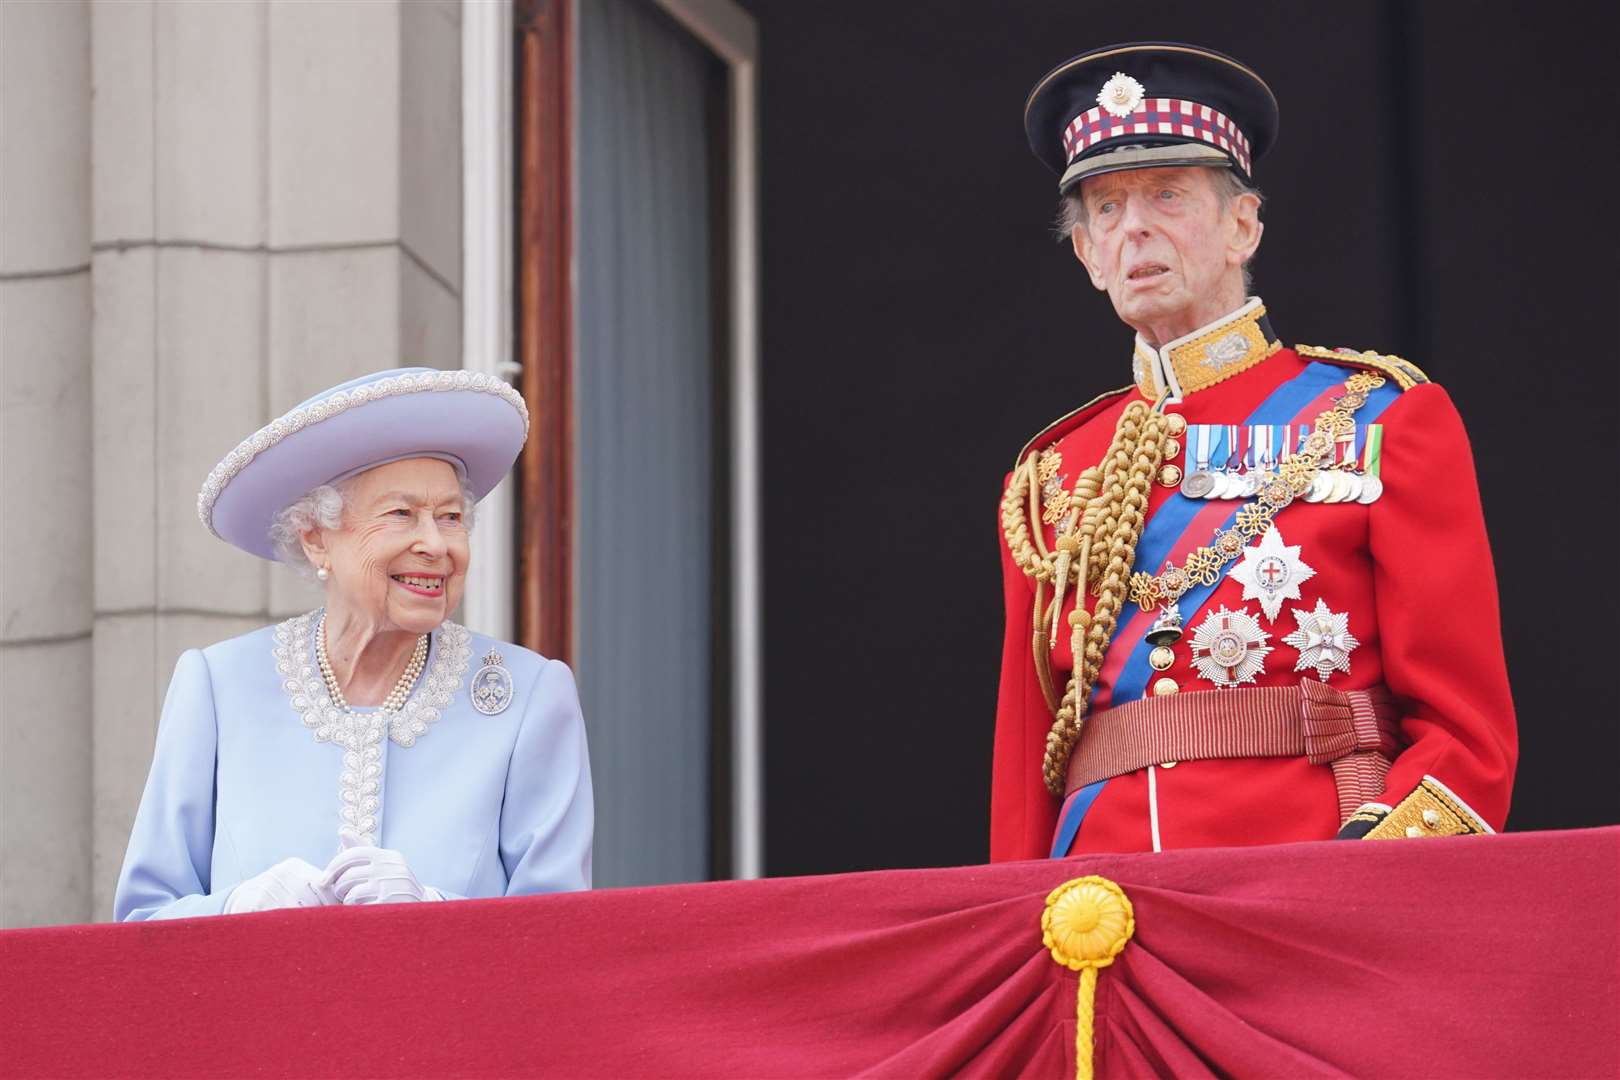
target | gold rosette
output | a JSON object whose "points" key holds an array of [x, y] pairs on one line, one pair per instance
{"points": [[1086, 923]]}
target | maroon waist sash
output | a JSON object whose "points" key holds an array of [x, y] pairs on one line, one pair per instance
{"points": [[1354, 732]]}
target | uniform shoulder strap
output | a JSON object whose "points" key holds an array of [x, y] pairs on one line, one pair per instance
{"points": [[1403, 373], [1069, 421]]}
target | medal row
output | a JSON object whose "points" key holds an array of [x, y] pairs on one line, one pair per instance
{"points": [[1233, 461]]}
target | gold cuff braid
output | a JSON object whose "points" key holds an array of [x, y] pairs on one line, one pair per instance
{"points": [[1430, 810]]}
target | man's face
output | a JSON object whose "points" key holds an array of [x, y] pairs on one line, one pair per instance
{"points": [[1164, 248]]}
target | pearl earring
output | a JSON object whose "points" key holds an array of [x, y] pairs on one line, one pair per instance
{"points": [[323, 573]]}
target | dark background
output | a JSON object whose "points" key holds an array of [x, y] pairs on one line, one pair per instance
{"points": [[1444, 187]]}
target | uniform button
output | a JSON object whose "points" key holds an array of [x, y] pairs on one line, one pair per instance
{"points": [[1175, 423], [1168, 764], [1431, 818], [1172, 449], [1161, 657], [1165, 687], [1169, 476], [1413, 830]]}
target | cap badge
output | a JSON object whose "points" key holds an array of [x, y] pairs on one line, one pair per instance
{"points": [[1121, 95], [492, 686]]}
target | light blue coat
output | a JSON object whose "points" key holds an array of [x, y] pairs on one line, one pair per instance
{"points": [[248, 771]]}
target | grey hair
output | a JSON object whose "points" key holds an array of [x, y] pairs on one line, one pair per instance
{"points": [[1227, 183], [322, 508]]}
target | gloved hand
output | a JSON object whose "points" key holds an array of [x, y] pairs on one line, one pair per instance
{"points": [[289, 883], [362, 874]]}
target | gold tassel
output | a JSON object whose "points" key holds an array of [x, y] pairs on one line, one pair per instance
{"points": [[1068, 545]]}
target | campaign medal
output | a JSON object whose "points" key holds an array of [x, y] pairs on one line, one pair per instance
{"points": [[1260, 454], [1346, 485], [1321, 487], [491, 686], [1338, 487], [1271, 572], [1228, 481], [1229, 648], [1231, 478], [1352, 487], [1198, 483], [1323, 639], [1371, 465]]}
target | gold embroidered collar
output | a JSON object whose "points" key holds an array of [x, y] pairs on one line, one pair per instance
{"points": [[1208, 355]]}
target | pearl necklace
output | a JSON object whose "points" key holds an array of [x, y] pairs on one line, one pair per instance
{"points": [[396, 697]]}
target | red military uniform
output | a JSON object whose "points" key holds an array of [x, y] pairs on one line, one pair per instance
{"points": [[1393, 595]]}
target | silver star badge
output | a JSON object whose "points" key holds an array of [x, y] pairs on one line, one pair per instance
{"points": [[1271, 572], [1121, 95], [1323, 639], [1229, 647]]}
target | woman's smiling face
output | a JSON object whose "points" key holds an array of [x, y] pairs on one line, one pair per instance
{"points": [[400, 559]]}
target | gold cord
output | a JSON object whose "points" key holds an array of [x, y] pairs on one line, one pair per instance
{"points": [[1115, 495], [1043, 659], [1015, 524], [1136, 460]]}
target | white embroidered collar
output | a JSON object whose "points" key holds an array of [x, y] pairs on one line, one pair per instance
{"points": [[361, 734], [295, 661]]}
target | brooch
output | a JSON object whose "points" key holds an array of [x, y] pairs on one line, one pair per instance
{"points": [[492, 686]]}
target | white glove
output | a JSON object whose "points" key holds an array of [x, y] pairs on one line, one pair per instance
{"points": [[362, 874], [289, 883]]}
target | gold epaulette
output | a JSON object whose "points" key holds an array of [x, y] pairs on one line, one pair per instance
{"points": [[1052, 431], [1404, 373]]}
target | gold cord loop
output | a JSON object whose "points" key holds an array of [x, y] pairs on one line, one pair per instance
{"points": [[1114, 495]]}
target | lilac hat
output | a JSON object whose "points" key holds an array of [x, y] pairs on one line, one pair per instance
{"points": [[475, 421]]}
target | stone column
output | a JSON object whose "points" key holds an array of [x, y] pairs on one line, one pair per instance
{"points": [[277, 208], [180, 279], [45, 600], [258, 200]]}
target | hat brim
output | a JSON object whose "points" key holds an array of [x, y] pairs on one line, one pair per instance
{"points": [[1176, 154], [419, 414]]}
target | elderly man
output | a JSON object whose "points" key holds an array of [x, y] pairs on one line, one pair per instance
{"points": [[1249, 596]]}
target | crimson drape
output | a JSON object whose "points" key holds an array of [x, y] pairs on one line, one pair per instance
{"points": [[1463, 957]]}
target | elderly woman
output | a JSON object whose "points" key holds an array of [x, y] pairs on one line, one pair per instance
{"points": [[372, 750]]}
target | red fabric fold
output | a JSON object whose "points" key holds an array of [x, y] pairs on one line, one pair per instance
{"points": [[1466, 956], [1337, 723]]}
